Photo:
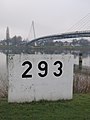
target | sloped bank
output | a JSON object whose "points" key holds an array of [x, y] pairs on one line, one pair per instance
{"points": [[81, 79]]}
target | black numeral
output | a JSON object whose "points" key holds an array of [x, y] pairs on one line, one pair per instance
{"points": [[45, 68], [25, 75], [59, 68]]}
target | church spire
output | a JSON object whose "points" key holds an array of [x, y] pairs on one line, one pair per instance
{"points": [[7, 34]]}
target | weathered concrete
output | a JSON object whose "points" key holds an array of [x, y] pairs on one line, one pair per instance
{"points": [[49, 87], [3, 75]]}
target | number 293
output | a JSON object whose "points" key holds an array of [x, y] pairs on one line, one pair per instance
{"points": [[43, 68]]}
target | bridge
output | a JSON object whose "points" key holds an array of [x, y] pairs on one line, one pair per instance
{"points": [[80, 28], [76, 34]]}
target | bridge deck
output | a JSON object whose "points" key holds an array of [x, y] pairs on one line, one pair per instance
{"points": [[75, 34]]}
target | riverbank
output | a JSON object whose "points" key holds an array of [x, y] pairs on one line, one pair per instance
{"points": [[44, 49], [81, 83], [81, 79], [75, 109]]}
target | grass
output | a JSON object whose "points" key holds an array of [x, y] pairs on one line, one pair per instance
{"points": [[76, 109]]}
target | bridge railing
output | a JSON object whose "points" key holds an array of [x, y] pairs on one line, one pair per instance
{"points": [[86, 31]]}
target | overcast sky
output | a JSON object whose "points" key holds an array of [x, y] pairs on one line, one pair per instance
{"points": [[50, 16]]}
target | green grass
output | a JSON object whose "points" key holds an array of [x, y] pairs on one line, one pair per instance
{"points": [[76, 109]]}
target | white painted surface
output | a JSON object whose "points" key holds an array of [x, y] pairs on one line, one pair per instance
{"points": [[3, 75], [37, 88]]}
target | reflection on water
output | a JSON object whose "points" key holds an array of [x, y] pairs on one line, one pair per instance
{"points": [[85, 60]]}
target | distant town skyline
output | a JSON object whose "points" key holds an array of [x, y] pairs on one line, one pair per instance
{"points": [[50, 16]]}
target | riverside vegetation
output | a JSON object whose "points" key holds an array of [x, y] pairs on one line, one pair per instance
{"points": [[76, 109]]}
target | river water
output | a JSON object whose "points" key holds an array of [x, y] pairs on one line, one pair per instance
{"points": [[3, 66]]}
